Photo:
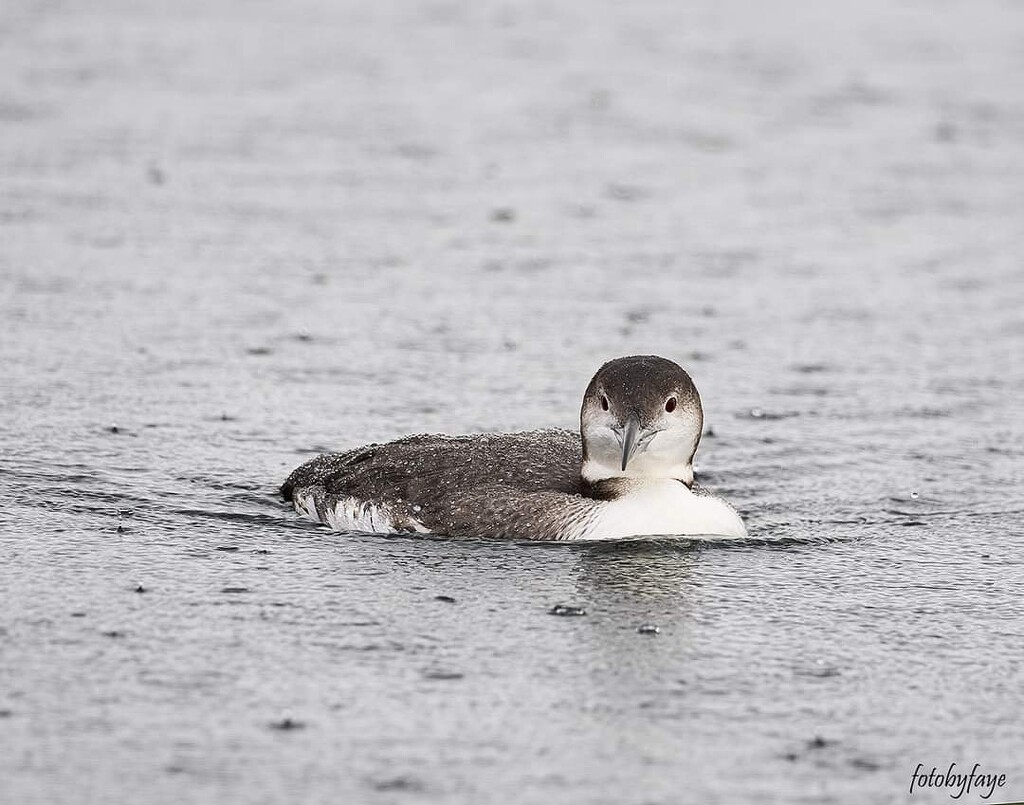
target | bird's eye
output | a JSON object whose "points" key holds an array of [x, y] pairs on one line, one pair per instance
{"points": [[670, 404], [604, 403]]}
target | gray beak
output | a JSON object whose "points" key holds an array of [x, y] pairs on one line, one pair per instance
{"points": [[630, 431]]}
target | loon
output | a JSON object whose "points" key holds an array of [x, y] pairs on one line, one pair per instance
{"points": [[627, 473]]}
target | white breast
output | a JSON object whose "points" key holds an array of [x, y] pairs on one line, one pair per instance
{"points": [[663, 507]]}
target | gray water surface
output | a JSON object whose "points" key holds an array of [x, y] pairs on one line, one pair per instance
{"points": [[234, 235]]}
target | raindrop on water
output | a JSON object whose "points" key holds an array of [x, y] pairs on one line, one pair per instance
{"points": [[567, 611]]}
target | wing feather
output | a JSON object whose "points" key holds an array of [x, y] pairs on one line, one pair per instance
{"points": [[502, 485]]}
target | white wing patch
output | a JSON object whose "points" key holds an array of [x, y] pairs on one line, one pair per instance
{"points": [[353, 514]]}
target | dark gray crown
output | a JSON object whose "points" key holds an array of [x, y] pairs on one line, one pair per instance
{"points": [[641, 384]]}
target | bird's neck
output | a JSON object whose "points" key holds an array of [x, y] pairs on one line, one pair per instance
{"points": [[612, 488]]}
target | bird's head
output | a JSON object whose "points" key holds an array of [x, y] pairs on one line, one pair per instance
{"points": [[641, 418]]}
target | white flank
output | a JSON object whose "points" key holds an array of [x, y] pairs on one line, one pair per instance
{"points": [[651, 508], [353, 514]]}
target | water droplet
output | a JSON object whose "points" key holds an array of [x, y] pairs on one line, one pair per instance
{"points": [[287, 723]]}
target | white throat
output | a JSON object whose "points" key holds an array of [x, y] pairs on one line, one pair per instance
{"points": [[667, 454], [640, 468]]}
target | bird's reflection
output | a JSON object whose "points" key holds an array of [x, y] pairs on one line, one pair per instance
{"points": [[641, 597], [647, 573]]}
